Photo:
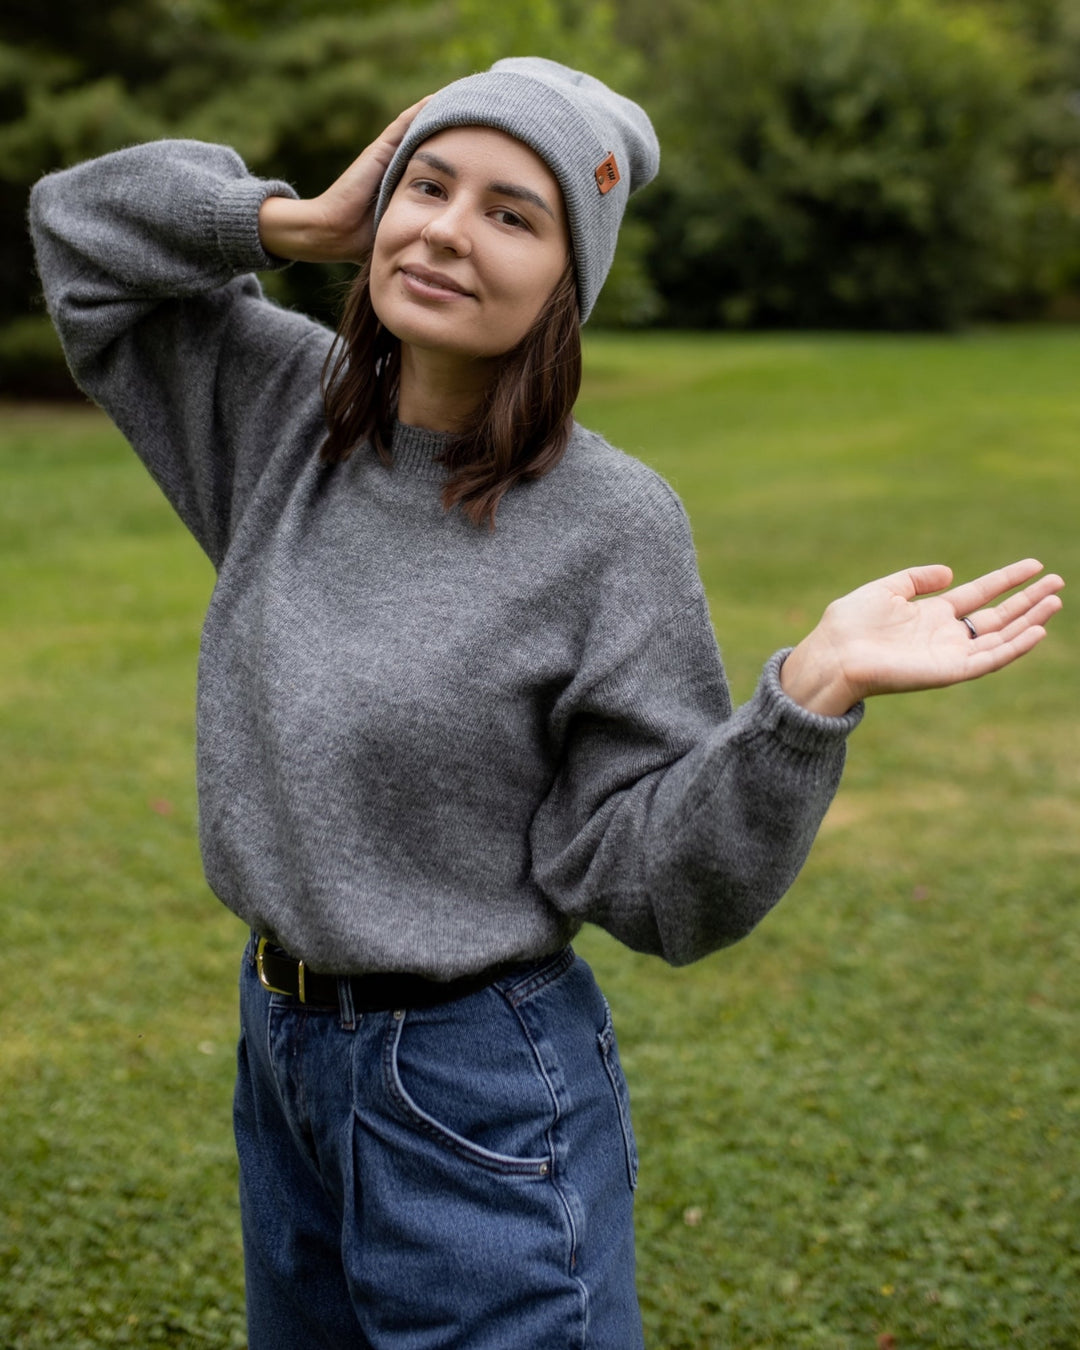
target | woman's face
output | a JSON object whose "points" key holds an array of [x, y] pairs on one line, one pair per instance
{"points": [[470, 246]]}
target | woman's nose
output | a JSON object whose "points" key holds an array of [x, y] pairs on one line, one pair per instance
{"points": [[447, 229]]}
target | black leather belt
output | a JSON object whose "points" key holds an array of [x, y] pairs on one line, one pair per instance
{"points": [[280, 973]]}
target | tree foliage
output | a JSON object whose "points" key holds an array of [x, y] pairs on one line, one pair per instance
{"points": [[298, 97], [1047, 247], [850, 162], [298, 87], [890, 163]]}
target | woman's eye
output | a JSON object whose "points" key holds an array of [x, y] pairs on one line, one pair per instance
{"points": [[427, 188], [506, 217]]}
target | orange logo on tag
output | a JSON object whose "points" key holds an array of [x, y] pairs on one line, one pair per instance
{"points": [[607, 173]]}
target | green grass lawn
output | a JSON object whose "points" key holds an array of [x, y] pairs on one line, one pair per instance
{"points": [[858, 1127]]}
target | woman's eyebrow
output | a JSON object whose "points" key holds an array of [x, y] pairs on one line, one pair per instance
{"points": [[436, 163], [522, 194]]}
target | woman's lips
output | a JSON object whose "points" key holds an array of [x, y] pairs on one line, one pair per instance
{"points": [[423, 282]]}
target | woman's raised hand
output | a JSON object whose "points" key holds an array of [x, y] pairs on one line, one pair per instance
{"points": [[338, 225], [884, 639]]}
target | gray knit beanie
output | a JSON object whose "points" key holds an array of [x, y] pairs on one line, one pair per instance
{"points": [[599, 145]]}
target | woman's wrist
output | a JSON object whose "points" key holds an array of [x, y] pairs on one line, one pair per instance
{"points": [[297, 230], [812, 677]]}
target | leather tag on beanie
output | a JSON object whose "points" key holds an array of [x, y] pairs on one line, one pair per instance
{"points": [[607, 173]]}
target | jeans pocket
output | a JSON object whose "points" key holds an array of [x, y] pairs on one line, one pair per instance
{"points": [[466, 1078], [609, 1053]]}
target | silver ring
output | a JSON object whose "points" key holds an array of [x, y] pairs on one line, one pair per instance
{"points": [[973, 632]]}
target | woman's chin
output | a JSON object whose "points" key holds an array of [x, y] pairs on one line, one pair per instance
{"points": [[438, 329], [435, 343]]}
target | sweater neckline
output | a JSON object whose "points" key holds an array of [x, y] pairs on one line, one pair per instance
{"points": [[416, 450]]}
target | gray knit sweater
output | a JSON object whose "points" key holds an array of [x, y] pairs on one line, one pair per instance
{"points": [[422, 746]]}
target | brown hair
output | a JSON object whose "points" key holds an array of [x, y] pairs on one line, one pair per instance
{"points": [[519, 429]]}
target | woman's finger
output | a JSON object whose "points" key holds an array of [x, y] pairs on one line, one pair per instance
{"points": [[1034, 604], [346, 208], [386, 143], [915, 581], [1002, 652], [973, 595]]}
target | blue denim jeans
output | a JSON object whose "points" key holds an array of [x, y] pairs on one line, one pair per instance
{"points": [[450, 1178]]}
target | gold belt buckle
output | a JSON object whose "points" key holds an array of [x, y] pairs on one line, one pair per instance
{"points": [[273, 988]]}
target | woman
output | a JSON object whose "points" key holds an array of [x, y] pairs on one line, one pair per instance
{"points": [[459, 693]]}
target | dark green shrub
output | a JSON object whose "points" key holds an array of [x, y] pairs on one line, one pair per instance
{"points": [[31, 362], [843, 162]]}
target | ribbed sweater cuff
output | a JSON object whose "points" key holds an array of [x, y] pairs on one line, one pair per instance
{"points": [[793, 724], [236, 223]]}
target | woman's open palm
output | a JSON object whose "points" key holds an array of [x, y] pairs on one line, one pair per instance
{"points": [[906, 632]]}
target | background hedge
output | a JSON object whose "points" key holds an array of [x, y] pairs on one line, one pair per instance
{"points": [[901, 164]]}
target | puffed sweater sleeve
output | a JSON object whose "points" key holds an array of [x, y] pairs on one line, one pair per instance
{"points": [[675, 821], [146, 256]]}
